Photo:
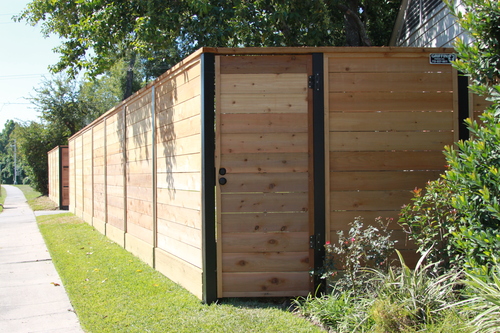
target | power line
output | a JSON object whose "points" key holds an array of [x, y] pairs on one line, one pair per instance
{"points": [[21, 76]]}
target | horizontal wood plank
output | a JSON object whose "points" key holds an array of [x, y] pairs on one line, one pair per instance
{"points": [[179, 129], [266, 262], [265, 242], [393, 82], [387, 160], [167, 162], [265, 143], [265, 202], [385, 181], [265, 222], [263, 123], [179, 198], [369, 200], [265, 182], [276, 162], [390, 121], [340, 220], [384, 63], [274, 64], [179, 181], [167, 114], [179, 271], [380, 101], [263, 103], [265, 283], [263, 83], [382, 141]]}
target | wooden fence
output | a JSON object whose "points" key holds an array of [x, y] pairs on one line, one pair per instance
{"points": [[136, 174], [229, 172], [59, 176]]}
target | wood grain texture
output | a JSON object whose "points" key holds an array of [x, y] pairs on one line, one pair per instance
{"points": [[387, 160], [389, 101], [383, 141], [265, 284], [390, 121], [394, 82]]}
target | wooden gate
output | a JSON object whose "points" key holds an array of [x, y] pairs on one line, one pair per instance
{"points": [[264, 175]]}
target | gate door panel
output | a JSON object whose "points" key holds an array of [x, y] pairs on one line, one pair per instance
{"points": [[263, 158]]}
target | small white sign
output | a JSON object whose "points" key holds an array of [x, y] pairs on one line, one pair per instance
{"points": [[442, 58]]}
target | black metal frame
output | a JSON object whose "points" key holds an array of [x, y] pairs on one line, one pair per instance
{"points": [[209, 246], [463, 106], [319, 164], [61, 185]]}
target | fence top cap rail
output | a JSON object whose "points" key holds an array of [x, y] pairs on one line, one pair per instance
{"points": [[320, 49]]}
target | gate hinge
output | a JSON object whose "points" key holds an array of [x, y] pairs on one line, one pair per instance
{"points": [[312, 241], [314, 82]]}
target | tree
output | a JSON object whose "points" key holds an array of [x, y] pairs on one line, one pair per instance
{"points": [[481, 59], [97, 33], [7, 159], [59, 102], [108, 90], [34, 141]]}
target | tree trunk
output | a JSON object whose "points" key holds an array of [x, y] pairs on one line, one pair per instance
{"points": [[355, 30], [130, 77]]}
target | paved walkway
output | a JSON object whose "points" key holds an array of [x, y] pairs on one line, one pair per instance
{"points": [[32, 297]]}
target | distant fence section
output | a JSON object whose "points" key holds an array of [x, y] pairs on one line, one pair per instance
{"points": [[229, 172], [58, 159]]}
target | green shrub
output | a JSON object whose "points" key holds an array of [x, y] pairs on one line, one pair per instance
{"points": [[363, 247], [474, 177], [458, 216], [399, 300], [430, 221]]}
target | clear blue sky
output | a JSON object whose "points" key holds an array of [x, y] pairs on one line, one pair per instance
{"points": [[24, 57]]}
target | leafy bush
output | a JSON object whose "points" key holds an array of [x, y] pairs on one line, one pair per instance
{"points": [[363, 247], [474, 177], [459, 215], [430, 221], [399, 300], [480, 59]]}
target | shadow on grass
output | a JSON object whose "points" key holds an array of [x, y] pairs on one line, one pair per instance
{"points": [[280, 303]]}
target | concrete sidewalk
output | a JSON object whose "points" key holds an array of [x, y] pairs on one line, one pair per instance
{"points": [[32, 297]]}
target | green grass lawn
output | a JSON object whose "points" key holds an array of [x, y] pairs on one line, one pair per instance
{"points": [[113, 291], [36, 200]]}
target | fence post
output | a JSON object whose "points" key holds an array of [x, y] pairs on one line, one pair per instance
{"points": [[209, 246], [154, 167], [319, 163], [463, 106]]}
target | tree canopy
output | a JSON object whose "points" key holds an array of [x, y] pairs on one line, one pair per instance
{"points": [[95, 33]]}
